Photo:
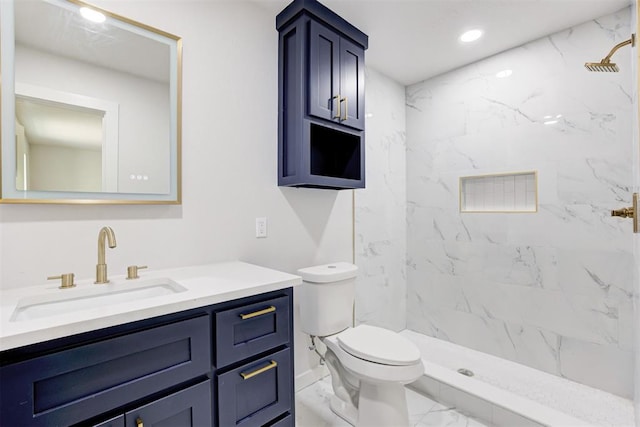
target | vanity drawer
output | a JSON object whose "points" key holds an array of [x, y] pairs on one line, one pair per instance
{"points": [[256, 392], [188, 407], [249, 330], [73, 385]]}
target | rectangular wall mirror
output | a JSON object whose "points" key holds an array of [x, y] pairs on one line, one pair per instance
{"points": [[91, 106]]}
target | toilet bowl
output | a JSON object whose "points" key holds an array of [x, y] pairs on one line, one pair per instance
{"points": [[369, 365], [376, 364]]}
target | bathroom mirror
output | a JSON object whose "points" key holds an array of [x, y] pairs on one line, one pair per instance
{"points": [[91, 106]]}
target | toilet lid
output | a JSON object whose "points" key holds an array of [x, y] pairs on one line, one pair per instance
{"points": [[378, 345]]}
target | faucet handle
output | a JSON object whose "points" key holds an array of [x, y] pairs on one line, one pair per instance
{"points": [[66, 282], [132, 271]]}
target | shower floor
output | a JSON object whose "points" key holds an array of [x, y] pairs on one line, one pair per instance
{"points": [[537, 397]]}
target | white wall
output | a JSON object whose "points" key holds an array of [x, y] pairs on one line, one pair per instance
{"points": [[229, 171], [552, 289]]}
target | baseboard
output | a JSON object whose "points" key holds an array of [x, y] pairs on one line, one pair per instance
{"points": [[310, 376]]}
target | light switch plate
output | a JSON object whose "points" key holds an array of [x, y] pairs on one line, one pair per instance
{"points": [[261, 227]]}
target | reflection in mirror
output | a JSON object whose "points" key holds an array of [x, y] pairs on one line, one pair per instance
{"points": [[51, 160], [65, 142], [95, 109]]}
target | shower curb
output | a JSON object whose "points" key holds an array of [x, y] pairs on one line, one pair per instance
{"points": [[488, 403]]}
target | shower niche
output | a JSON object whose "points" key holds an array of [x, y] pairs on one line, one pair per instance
{"points": [[320, 98], [503, 192]]}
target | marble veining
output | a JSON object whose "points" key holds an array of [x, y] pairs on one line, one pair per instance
{"points": [[550, 289], [380, 225]]}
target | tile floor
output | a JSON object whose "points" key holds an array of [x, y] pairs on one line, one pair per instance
{"points": [[312, 410]]}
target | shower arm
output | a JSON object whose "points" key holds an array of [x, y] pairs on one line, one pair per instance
{"points": [[631, 41]]}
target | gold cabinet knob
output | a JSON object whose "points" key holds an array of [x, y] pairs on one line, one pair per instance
{"points": [[132, 271], [66, 280]]}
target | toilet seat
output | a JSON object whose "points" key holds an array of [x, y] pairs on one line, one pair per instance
{"points": [[372, 371], [378, 345]]}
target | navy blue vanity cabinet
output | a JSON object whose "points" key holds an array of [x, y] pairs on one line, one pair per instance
{"points": [[254, 361], [188, 407], [257, 391], [320, 98], [251, 329], [161, 371], [75, 384]]}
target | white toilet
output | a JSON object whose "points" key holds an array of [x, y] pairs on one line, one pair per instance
{"points": [[369, 365]]}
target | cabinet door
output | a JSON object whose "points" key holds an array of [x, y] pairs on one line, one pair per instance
{"points": [[351, 84], [78, 383], [324, 75], [251, 329], [256, 392], [186, 408]]}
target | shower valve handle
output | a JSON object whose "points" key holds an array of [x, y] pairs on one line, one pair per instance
{"points": [[623, 212], [630, 212]]}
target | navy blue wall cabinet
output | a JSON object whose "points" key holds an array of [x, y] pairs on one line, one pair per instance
{"points": [[160, 371], [320, 98]]}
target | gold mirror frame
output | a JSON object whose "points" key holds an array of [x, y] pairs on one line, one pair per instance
{"points": [[10, 195]]}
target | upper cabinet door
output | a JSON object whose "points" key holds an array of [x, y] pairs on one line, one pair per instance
{"points": [[351, 84], [336, 77], [324, 72]]}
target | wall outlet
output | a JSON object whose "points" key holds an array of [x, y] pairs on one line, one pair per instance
{"points": [[261, 227]]}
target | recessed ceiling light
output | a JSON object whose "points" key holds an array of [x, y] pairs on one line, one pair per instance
{"points": [[503, 74], [470, 36], [92, 15]]}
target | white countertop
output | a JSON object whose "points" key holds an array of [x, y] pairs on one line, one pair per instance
{"points": [[205, 285]]}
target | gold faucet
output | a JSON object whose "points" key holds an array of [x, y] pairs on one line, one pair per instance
{"points": [[101, 268]]}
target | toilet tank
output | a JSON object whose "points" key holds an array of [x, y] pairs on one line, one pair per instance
{"points": [[326, 298]]}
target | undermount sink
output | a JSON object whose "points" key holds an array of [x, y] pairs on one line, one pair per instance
{"points": [[70, 300]]}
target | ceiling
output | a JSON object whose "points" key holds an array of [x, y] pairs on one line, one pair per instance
{"points": [[412, 40]]}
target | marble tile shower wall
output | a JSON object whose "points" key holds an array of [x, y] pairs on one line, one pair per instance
{"points": [[380, 216], [552, 289]]}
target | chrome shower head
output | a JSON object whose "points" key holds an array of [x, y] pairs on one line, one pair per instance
{"points": [[606, 65]]}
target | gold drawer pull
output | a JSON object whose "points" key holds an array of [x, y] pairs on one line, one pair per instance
{"points": [[139, 422], [270, 309], [246, 376]]}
